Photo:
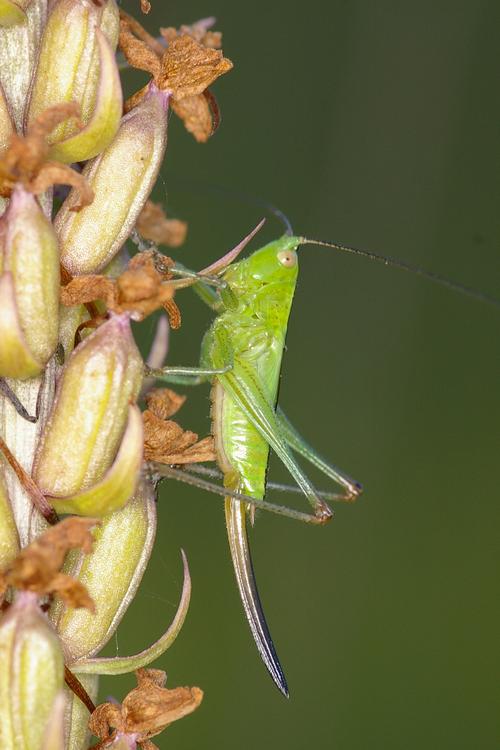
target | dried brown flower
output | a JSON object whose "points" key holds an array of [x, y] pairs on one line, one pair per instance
{"points": [[139, 290], [26, 161], [146, 711], [37, 566], [145, 6], [186, 68], [153, 224], [164, 440]]}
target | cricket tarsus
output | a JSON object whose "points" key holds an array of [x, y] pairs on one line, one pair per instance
{"points": [[243, 567], [403, 266]]}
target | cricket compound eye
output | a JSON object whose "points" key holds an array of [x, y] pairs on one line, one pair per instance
{"points": [[287, 258]]}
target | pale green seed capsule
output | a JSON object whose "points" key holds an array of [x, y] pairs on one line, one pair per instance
{"points": [[68, 69], [111, 574], [122, 178], [9, 539], [31, 674], [18, 56], [29, 288], [102, 376]]}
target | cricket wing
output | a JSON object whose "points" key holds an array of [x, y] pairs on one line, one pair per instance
{"points": [[243, 568]]}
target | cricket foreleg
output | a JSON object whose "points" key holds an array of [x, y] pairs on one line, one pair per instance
{"points": [[297, 443], [185, 375]]}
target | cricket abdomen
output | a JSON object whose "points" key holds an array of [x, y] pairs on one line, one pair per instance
{"points": [[242, 454]]}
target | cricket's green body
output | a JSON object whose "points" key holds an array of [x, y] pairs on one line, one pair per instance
{"points": [[242, 353], [251, 338]]}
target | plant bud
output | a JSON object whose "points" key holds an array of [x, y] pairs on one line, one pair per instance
{"points": [[9, 540], [18, 56], [102, 376], [111, 574], [31, 674], [121, 178], [70, 71], [29, 288]]}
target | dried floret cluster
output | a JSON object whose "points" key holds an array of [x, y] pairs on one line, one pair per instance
{"points": [[77, 167]]}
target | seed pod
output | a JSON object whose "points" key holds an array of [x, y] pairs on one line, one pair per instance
{"points": [[111, 574], [31, 673], [9, 540], [102, 376], [70, 71], [122, 178], [29, 288], [18, 56]]}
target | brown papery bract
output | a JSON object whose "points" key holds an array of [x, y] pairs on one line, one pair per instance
{"points": [[164, 440], [25, 159], [139, 290], [186, 68], [153, 225], [37, 567]]}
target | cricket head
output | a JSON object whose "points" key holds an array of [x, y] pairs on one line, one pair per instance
{"points": [[274, 263]]}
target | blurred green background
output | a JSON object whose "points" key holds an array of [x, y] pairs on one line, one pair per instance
{"points": [[376, 124]]}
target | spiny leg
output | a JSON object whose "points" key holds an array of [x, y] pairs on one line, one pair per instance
{"points": [[278, 486], [300, 446], [160, 471]]}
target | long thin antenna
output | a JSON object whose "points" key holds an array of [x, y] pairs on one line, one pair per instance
{"points": [[403, 266]]}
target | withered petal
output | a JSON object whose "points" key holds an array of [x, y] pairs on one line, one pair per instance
{"points": [[188, 67], [164, 402], [150, 708], [196, 115], [72, 592], [137, 52], [37, 566], [153, 225], [83, 289], [107, 716], [55, 173]]}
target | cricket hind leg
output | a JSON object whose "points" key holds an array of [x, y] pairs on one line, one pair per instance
{"points": [[187, 475], [353, 489], [292, 489]]}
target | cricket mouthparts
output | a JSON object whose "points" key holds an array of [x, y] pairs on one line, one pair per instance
{"points": [[243, 568]]}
